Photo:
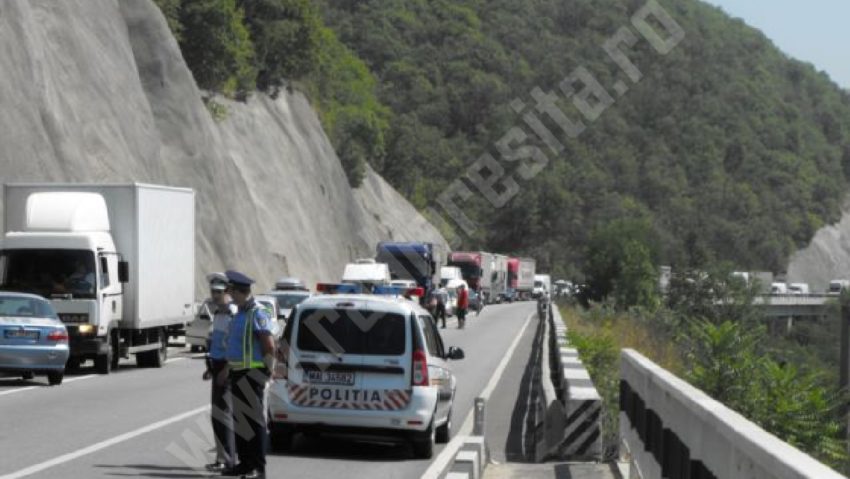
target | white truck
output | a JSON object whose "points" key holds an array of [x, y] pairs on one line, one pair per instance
{"points": [[542, 286], [499, 278], [448, 273], [116, 261]]}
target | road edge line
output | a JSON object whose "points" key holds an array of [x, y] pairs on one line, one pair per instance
{"points": [[444, 458]]}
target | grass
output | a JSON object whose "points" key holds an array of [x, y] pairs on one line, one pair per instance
{"points": [[599, 334]]}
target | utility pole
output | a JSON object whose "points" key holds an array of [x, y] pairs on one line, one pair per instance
{"points": [[844, 374]]}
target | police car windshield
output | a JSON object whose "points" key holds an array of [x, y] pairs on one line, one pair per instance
{"points": [[347, 331]]}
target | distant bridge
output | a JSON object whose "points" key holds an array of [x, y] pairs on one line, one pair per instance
{"points": [[796, 305]]}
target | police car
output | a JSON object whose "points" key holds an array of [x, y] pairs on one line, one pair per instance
{"points": [[364, 366]]}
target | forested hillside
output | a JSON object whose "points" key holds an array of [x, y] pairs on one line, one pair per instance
{"points": [[727, 148]]}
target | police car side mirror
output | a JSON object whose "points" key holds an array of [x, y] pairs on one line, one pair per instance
{"points": [[455, 353]]}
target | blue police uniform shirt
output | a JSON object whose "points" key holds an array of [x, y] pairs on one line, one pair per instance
{"points": [[222, 315], [262, 323]]}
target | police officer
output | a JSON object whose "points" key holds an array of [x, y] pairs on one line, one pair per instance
{"points": [[251, 357], [221, 311]]}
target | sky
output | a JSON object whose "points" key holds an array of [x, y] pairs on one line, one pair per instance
{"points": [[814, 31]]}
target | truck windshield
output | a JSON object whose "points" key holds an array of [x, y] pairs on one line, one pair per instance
{"points": [[49, 272], [468, 270]]}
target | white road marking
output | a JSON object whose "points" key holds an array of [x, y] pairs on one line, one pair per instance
{"points": [[80, 378], [13, 391], [28, 388], [448, 452], [103, 444]]}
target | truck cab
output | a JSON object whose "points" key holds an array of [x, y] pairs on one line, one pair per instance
{"points": [[77, 245], [67, 255]]}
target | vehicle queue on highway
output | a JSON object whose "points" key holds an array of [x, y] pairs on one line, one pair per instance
{"points": [[364, 358], [361, 358]]}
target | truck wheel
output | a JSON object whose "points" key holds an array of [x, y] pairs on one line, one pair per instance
{"points": [[157, 357], [27, 375], [54, 378], [116, 350], [103, 362], [73, 363]]}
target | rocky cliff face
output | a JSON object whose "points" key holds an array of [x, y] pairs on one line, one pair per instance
{"points": [[826, 258], [97, 91]]}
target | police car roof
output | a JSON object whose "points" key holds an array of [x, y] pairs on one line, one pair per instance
{"points": [[388, 304]]}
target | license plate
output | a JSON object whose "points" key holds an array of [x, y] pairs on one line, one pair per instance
{"points": [[330, 377], [21, 334]]}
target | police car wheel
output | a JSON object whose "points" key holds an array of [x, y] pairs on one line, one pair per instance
{"points": [[444, 432], [281, 436], [423, 448]]}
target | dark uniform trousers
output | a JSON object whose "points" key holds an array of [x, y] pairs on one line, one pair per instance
{"points": [[441, 313], [222, 416], [249, 416]]}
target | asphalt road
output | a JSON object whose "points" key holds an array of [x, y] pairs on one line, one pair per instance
{"points": [[154, 422]]}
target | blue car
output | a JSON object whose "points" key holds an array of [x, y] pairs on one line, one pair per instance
{"points": [[32, 338]]}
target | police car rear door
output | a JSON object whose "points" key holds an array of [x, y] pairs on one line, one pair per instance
{"points": [[326, 358], [349, 357], [386, 360]]}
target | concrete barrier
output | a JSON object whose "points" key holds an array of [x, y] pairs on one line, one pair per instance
{"points": [[568, 408], [550, 415], [470, 460], [668, 428], [583, 406]]}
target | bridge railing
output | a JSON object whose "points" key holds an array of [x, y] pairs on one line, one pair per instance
{"points": [[668, 428]]}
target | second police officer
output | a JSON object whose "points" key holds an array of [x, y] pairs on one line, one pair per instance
{"points": [[251, 357], [221, 311]]}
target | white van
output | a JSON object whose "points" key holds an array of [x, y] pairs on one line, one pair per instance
{"points": [[367, 275], [367, 367]]}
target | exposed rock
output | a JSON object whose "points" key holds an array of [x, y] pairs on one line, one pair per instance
{"points": [[97, 91], [826, 258]]}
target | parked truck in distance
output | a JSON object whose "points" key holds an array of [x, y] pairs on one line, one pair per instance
{"points": [[542, 286], [417, 261], [520, 278], [838, 286], [116, 261], [499, 278], [448, 273], [476, 268]]}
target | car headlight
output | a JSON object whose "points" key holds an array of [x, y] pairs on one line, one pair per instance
{"points": [[86, 328]]}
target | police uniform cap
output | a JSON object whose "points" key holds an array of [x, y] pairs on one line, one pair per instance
{"points": [[217, 281], [238, 279]]}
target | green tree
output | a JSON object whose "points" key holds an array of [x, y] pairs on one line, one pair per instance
{"points": [[350, 111], [729, 362], [217, 47], [286, 40], [171, 10], [621, 263]]}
